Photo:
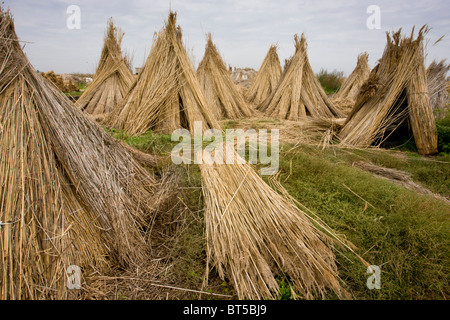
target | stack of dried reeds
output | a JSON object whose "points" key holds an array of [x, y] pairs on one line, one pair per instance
{"points": [[253, 233], [437, 87], [166, 95], [112, 79], [70, 193], [395, 94], [57, 80], [345, 98], [266, 79], [224, 98], [299, 93]]}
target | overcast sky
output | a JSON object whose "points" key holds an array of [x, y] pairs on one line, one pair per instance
{"points": [[243, 30]]}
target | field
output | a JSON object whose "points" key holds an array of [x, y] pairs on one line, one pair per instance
{"points": [[401, 225], [94, 205]]}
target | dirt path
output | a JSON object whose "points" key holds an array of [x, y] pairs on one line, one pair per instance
{"points": [[396, 176]]}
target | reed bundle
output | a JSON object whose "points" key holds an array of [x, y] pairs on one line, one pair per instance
{"points": [[395, 94], [345, 98], [437, 87], [57, 80], [267, 78], [299, 93], [224, 98], [112, 78], [253, 233], [166, 95], [70, 193]]}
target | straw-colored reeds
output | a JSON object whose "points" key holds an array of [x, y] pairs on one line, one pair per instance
{"points": [[299, 93], [395, 92], [222, 95], [267, 78], [70, 193], [253, 233], [112, 78], [58, 81], [166, 95], [345, 98], [437, 87]]}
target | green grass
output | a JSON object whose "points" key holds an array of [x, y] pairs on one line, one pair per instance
{"points": [[431, 172], [330, 90], [157, 144], [73, 93], [405, 233], [443, 129], [330, 81]]}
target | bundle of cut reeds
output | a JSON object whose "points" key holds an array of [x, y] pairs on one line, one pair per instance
{"points": [[112, 79], [266, 79], [166, 95], [224, 98], [253, 233], [345, 98], [395, 92], [70, 193], [57, 80], [299, 93], [437, 87]]}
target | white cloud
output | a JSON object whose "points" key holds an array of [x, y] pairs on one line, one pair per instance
{"points": [[243, 30]]}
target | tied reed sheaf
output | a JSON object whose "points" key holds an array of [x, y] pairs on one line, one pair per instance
{"points": [[395, 92], [70, 193], [166, 95], [112, 78], [299, 93], [267, 78], [253, 239], [345, 98], [223, 96], [437, 87], [253, 234]]}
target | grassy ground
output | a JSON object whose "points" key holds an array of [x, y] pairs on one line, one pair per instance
{"points": [[405, 233]]}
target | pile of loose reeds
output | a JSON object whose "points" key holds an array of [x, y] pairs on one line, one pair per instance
{"points": [[299, 93], [395, 92], [222, 95], [70, 194], [437, 87], [253, 233], [113, 77], [345, 98], [267, 78]]}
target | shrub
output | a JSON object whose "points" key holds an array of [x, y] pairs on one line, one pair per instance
{"points": [[443, 131], [330, 81]]}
